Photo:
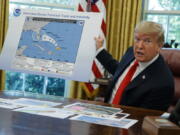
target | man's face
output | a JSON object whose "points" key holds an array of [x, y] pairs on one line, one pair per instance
{"points": [[146, 46]]}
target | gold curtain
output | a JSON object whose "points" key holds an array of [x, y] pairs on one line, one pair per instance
{"points": [[122, 16], [76, 90], [4, 14]]}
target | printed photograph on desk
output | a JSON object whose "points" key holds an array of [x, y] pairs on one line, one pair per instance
{"points": [[7, 103], [119, 116], [91, 109], [46, 111], [124, 123], [35, 102]]}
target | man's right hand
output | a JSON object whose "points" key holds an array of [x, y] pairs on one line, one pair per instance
{"points": [[99, 42]]}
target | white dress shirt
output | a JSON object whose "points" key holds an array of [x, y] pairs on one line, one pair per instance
{"points": [[140, 68]]}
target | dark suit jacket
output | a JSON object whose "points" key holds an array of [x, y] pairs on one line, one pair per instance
{"points": [[153, 88]]}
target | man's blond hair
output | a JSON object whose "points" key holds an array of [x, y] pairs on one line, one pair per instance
{"points": [[148, 27]]}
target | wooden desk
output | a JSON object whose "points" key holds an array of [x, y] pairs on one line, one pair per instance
{"points": [[18, 123]]}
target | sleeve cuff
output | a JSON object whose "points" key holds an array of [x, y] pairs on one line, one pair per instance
{"points": [[99, 50]]}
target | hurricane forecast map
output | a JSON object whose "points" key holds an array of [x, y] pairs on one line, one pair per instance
{"points": [[51, 41]]}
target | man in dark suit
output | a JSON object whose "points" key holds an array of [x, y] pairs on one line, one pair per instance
{"points": [[152, 84]]}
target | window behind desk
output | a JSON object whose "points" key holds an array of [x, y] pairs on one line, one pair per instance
{"points": [[166, 12], [36, 83]]}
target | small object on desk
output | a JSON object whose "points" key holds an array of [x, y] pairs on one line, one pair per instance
{"points": [[165, 115], [175, 115], [154, 125]]}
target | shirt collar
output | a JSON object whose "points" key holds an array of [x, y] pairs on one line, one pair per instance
{"points": [[143, 65]]}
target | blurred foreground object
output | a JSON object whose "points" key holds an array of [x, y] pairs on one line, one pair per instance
{"points": [[154, 125]]}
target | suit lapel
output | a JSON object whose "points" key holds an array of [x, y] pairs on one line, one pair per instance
{"points": [[141, 78], [123, 66], [144, 75]]}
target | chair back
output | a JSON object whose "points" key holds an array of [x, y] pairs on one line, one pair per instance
{"points": [[172, 58]]}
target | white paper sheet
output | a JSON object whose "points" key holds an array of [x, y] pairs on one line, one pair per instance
{"points": [[34, 102], [51, 43], [92, 109], [123, 123], [7, 103], [46, 111]]}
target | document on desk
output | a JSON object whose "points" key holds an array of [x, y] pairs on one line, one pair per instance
{"points": [[51, 43], [123, 123], [92, 109], [34, 102], [46, 111], [7, 103]]}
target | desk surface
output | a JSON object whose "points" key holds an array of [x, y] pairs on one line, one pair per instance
{"points": [[18, 123]]}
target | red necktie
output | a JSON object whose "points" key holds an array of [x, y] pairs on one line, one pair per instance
{"points": [[124, 83]]}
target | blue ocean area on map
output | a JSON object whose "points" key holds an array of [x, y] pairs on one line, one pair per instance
{"points": [[56, 41]]}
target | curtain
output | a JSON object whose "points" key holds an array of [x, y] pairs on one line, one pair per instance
{"points": [[76, 90], [122, 16], [4, 14]]}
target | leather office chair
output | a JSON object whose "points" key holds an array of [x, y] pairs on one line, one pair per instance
{"points": [[172, 58]]}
